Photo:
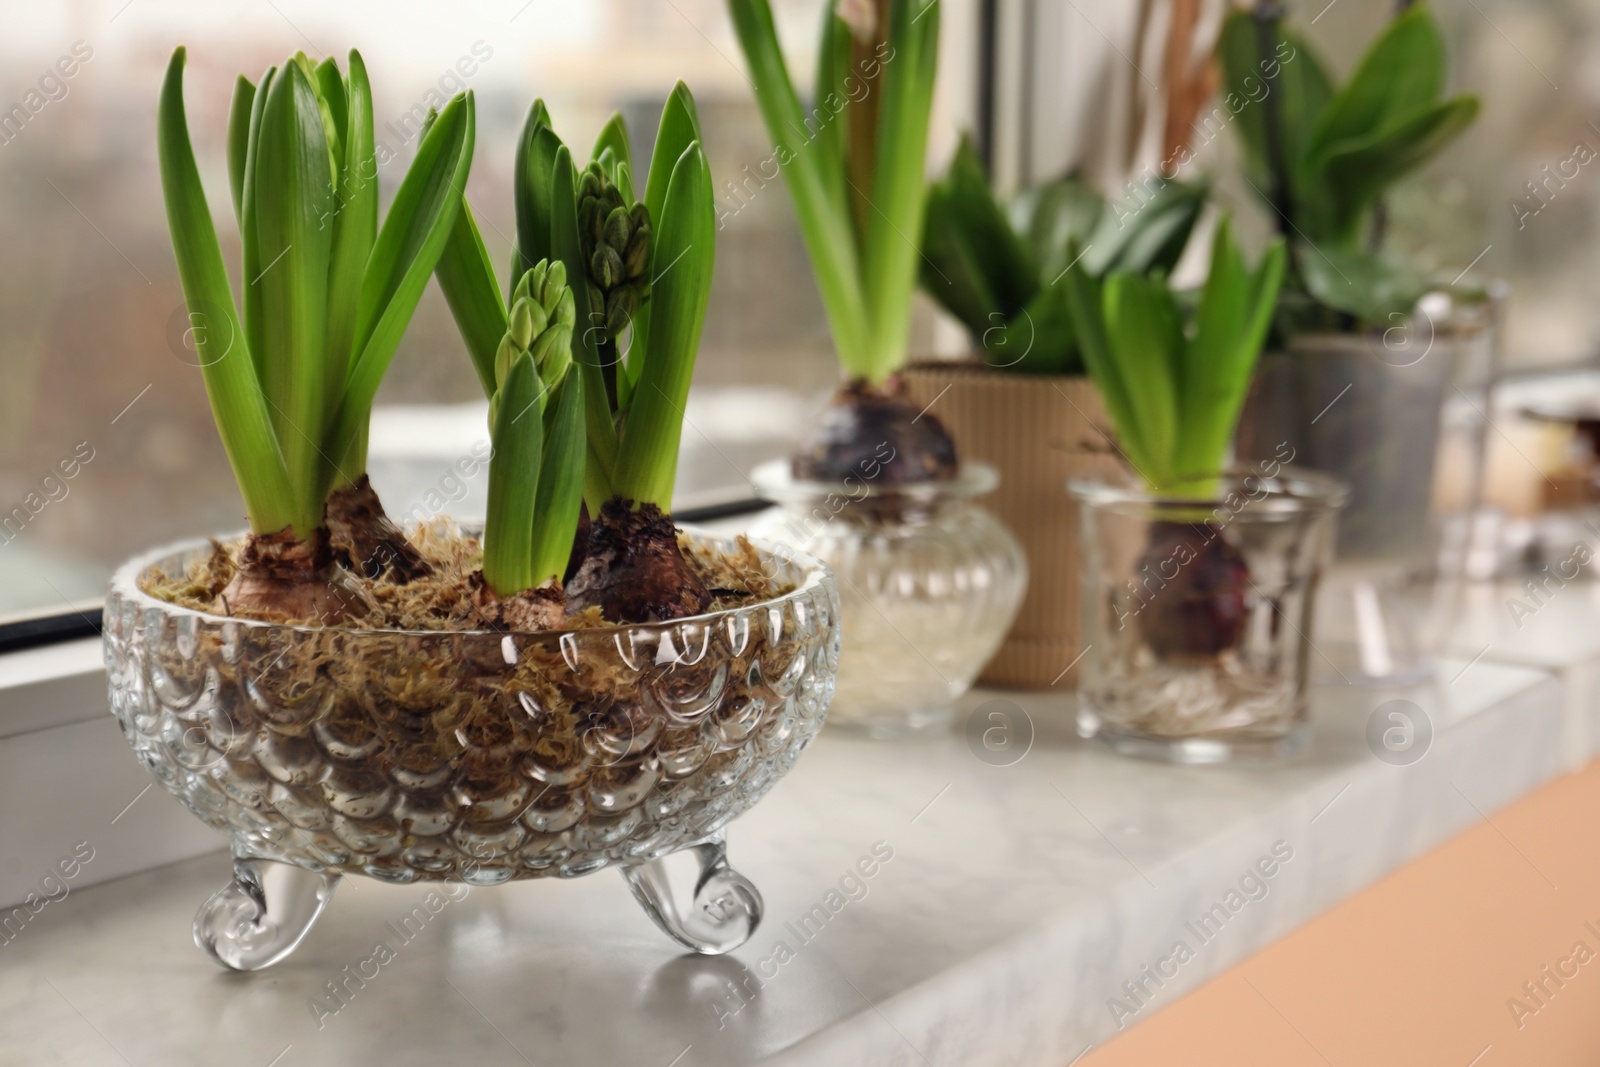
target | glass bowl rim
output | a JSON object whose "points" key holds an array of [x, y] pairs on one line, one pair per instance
{"points": [[775, 481], [1292, 491], [125, 585]]}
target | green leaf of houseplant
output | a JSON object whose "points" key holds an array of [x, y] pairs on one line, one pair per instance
{"points": [[560, 497], [244, 96], [684, 257], [532, 172], [824, 222], [1059, 219], [514, 466], [1040, 339], [1150, 237], [1140, 326], [242, 417], [679, 128], [968, 205], [1369, 287], [406, 251], [1358, 170], [899, 191], [294, 197], [466, 277], [249, 246], [1234, 312], [1086, 300], [835, 52], [1401, 72], [355, 217], [953, 271], [1301, 89], [336, 108]]}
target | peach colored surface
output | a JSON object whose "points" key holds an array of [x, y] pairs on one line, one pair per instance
{"points": [[1424, 967]]}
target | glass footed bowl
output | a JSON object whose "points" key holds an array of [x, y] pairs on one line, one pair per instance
{"points": [[929, 584], [471, 756]]}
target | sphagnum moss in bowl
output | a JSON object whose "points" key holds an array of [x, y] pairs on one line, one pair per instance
{"points": [[463, 706]]}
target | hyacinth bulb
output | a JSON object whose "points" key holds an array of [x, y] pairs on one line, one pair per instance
{"points": [[1195, 599]]}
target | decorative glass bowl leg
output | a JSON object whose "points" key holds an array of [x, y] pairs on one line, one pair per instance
{"points": [[723, 911], [263, 914]]}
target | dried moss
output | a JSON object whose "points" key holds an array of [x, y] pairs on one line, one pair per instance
{"points": [[442, 600]]}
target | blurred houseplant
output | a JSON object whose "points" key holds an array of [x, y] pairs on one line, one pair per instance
{"points": [[1375, 364], [930, 582], [526, 703], [1192, 570], [1021, 401], [1360, 372]]}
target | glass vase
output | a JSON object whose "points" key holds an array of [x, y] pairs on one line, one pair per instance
{"points": [[1198, 615], [471, 758], [929, 584]]}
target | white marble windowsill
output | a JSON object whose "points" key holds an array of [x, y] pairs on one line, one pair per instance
{"points": [[1017, 903]]}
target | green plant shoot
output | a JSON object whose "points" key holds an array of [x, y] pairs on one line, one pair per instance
{"points": [[999, 271], [327, 292], [854, 165], [536, 428], [638, 277], [1174, 390]]}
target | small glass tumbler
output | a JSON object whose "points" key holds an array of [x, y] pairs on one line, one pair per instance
{"points": [[929, 584], [1197, 614]]}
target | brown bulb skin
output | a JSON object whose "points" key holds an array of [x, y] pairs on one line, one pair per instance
{"points": [[282, 578], [1202, 609], [634, 571], [867, 428]]}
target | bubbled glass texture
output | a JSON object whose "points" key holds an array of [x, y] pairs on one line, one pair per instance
{"points": [[929, 588], [479, 756]]}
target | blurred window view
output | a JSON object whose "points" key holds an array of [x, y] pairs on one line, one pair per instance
{"points": [[106, 441]]}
